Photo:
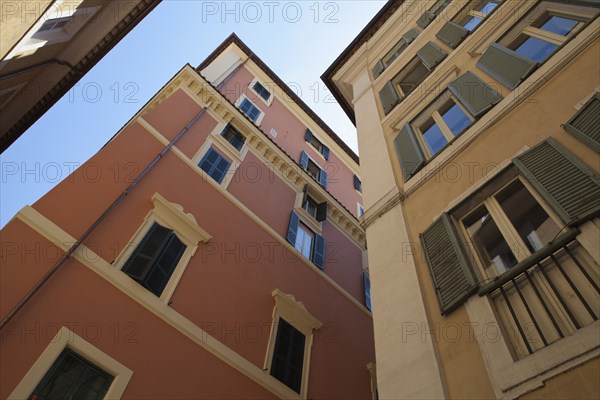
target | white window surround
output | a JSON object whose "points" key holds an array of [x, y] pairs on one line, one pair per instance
{"points": [[34, 39], [171, 216], [251, 87], [294, 313], [239, 101], [65, 338]]}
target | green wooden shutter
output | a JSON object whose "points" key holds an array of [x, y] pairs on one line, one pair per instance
{"points": [[452, 34], [431, 55], [319, 251], [293, 228], [409, 152], [585, 124], [379, 68], [452, 276], [411, 35], [474, 94], [426, 19], [506, 66], [389, 97], [566, 184]]}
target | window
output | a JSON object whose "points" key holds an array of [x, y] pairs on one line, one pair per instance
{"points": [[308, 243], [248, 108], [316, 143], [215, 165], [314, 170], [367, 289], [536, 37], [476, 13], [72, 377], [357, 184], [304, 241], [155, 258], [310, 206], [429, 16], [261, 91], [466, 21], [411, 77], [316, 210], [395, 52], [439, 126], [288, 355], [234, 137]]}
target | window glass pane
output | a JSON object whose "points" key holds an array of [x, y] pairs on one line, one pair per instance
{"points": [[536, 49], [472, 23], [310, 206], [488, 7], [490, 245], [530, 220], [455, 118], [559, 25], [414, 78], [434, 137], [304, 240]]}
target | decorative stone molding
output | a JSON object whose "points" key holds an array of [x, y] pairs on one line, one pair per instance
{"points": [[295, 313]]}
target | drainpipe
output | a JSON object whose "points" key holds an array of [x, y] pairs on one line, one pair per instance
{"points": [[84, 236]]}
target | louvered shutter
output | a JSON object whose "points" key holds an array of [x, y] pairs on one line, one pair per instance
{"points": [[357, 184], [585, 124], [431, 55], [409, 152], [452, 34], [319, 251], [323, 179], [566, 184], [304, 160], [389, 97], [506, 66], [325, 152], [321, 212], [293, 228], [308, 136], [452, 276], [379, 68], [474, 94], [425, 19], [411, 35]]}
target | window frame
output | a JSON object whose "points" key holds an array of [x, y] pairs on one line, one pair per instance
{"points": [[295, 314], [236, 134], [261, 114], [67, 339], [268, 101], [171, 216], [432, 111]]}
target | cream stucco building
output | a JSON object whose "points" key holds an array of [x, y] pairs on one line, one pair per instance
{"points": [[478, 130]]}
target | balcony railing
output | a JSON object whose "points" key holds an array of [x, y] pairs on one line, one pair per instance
{"points": [[548, 296]]}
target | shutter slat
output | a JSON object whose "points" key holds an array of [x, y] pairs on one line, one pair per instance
{"points": [[506, 66], [389, 97], [474, 94], [452, 34], [568, 185], [409, 152], [431, 55], [451, 273], [585, 124]]}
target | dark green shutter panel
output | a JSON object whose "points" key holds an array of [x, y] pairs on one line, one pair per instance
{"points": [[308, 136], [411, 35], [325, 152], [506, 66], [474, 94], [389, 97], [452, 276], [565, 183], [585, 125], [321, 212], [452, 34], [379, 68], [367, 287], [425, 19], [409, 152], [304, 160], [431, 55], [293, 228], [323, 178], [319, 251]]}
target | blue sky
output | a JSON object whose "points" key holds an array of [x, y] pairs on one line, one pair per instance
{"points": [[297, 39]]}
